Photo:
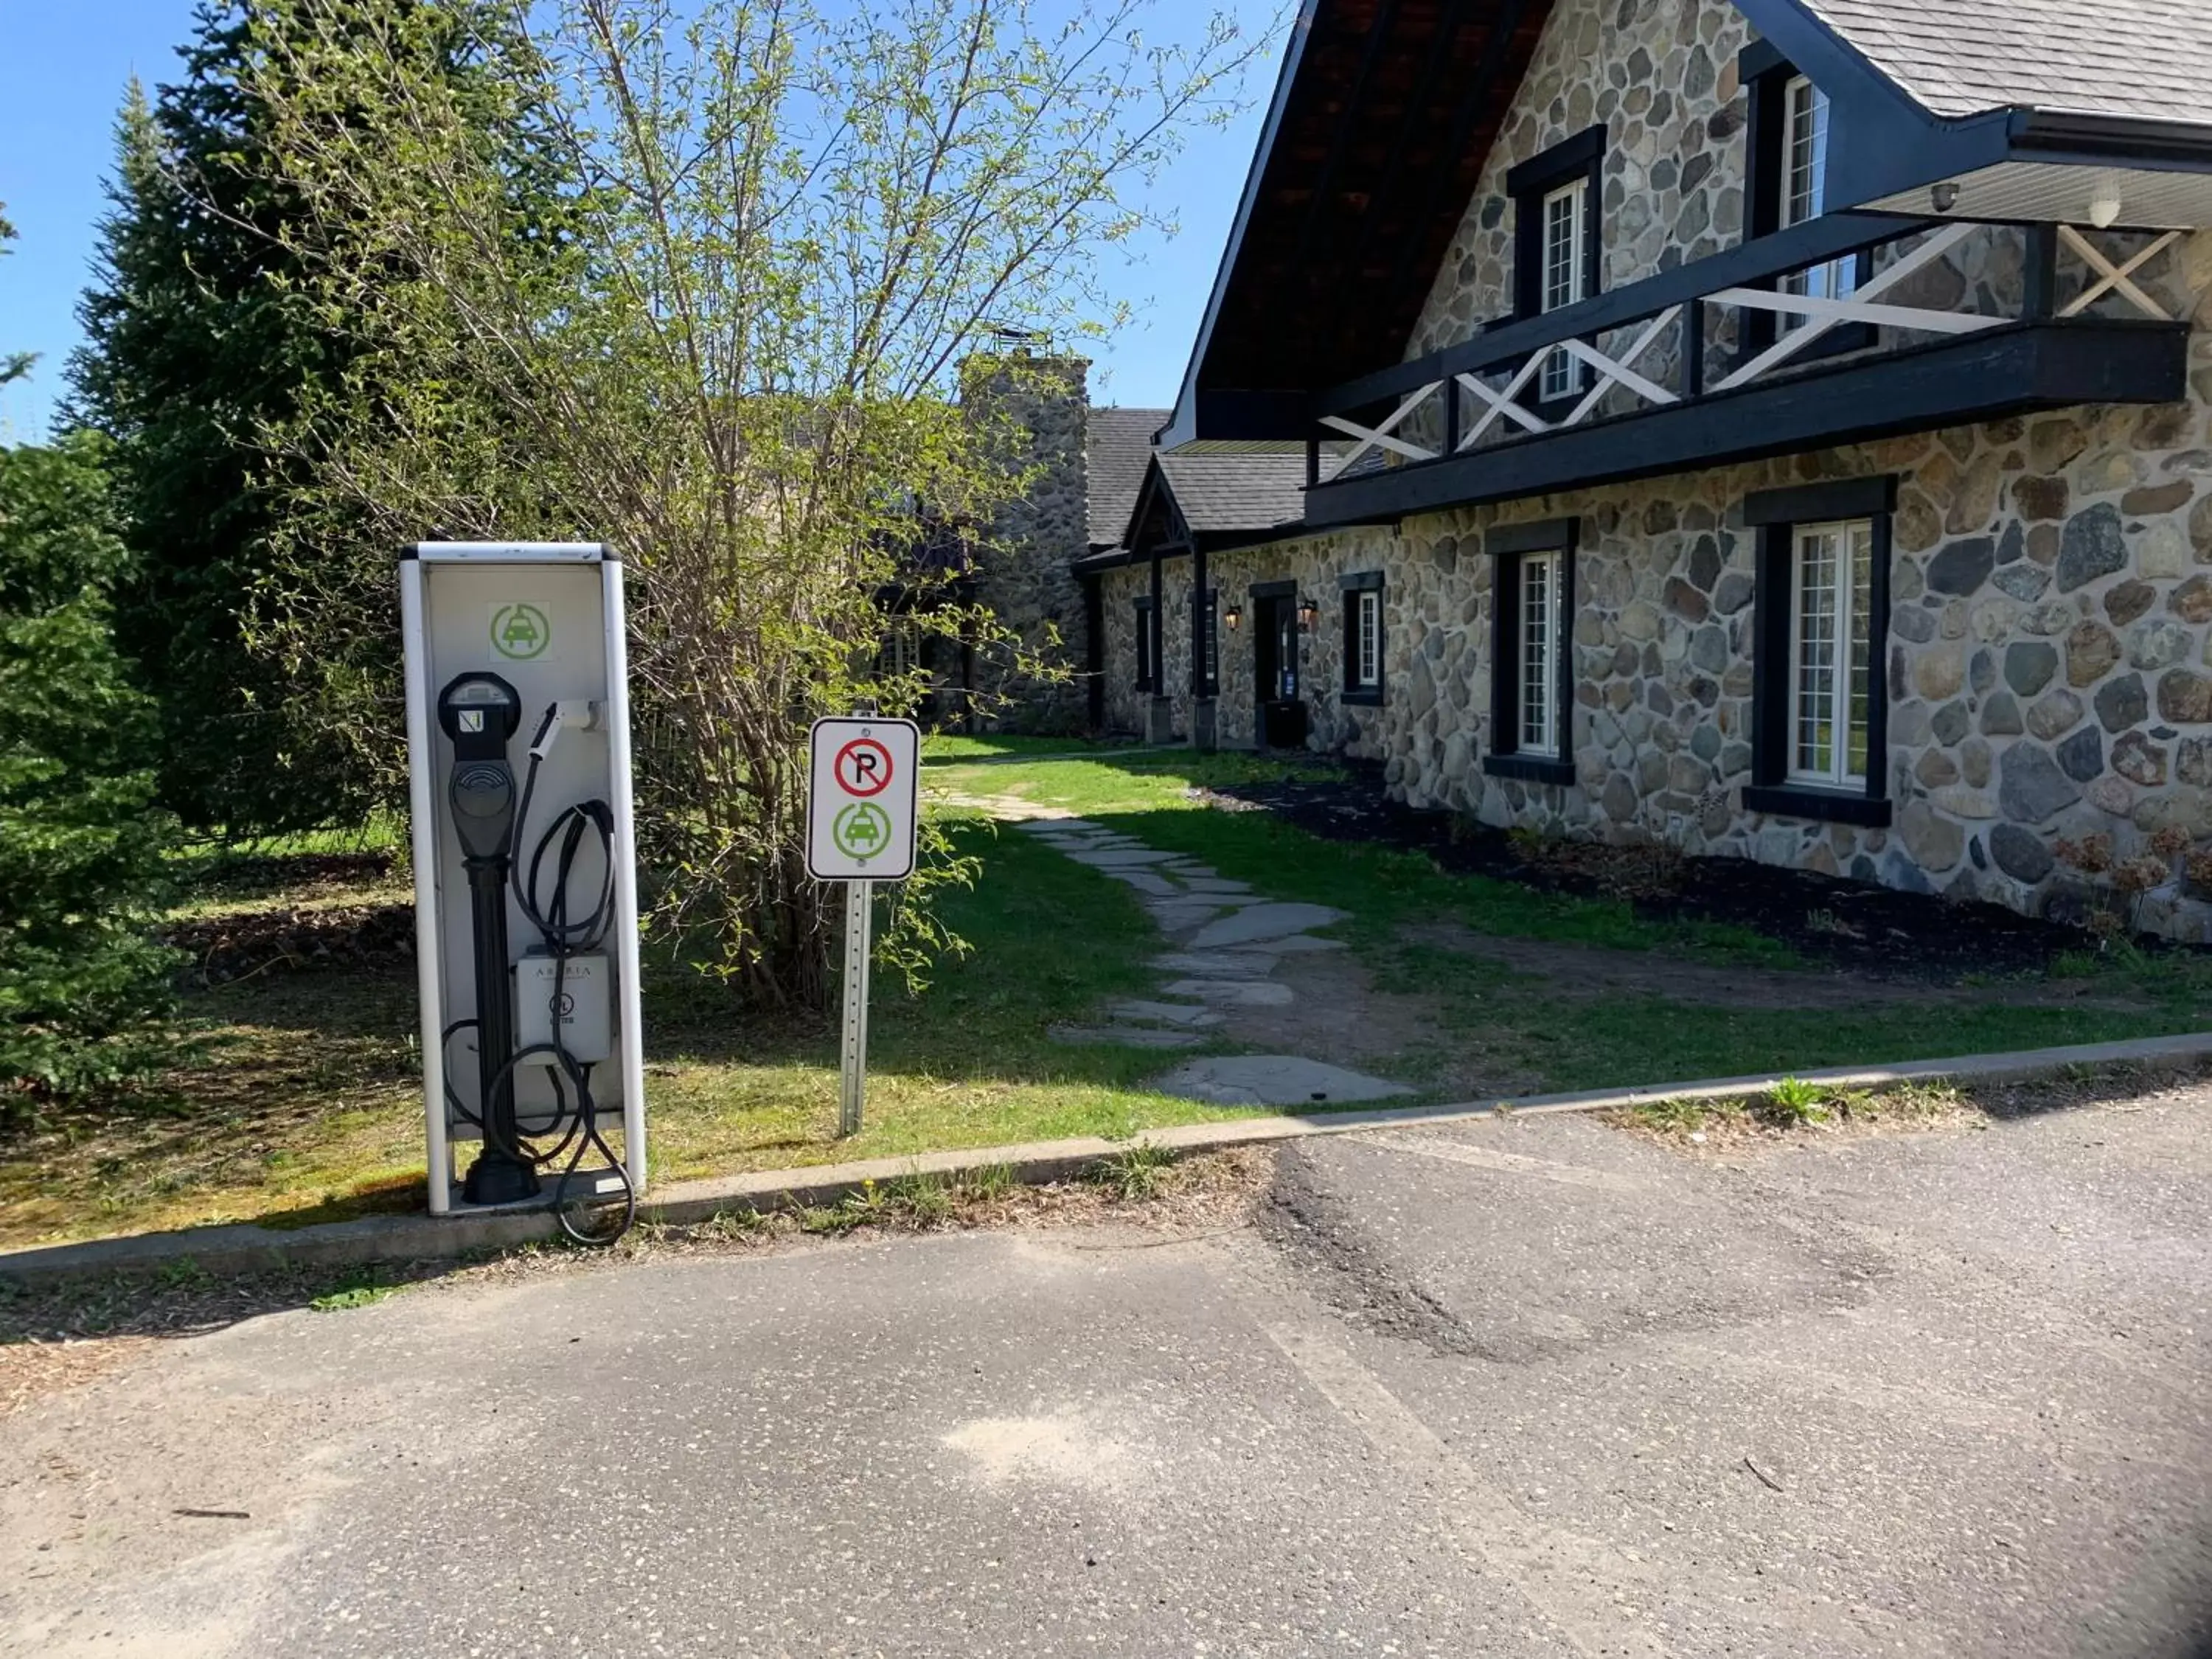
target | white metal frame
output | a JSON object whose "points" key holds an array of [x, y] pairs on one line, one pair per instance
{"points": [[1537, 637], [422, 835], [1564, 257], [1367, 639], [1852, 542]]}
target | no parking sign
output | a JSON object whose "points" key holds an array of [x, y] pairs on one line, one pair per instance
{"points": [[862, 798]]}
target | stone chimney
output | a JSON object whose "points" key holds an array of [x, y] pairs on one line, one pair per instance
{"points": [[1026, 575]]}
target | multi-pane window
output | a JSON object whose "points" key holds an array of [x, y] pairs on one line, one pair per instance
{"points": [[1210, 639], [1367, 641], [1830, 666], [1566, 272], [1538, 638], [1148, 648], [1804, 187]]}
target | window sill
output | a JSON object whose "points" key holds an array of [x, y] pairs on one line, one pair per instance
{"points": [[1529, 768], [1829, 805], [1371, 697]]}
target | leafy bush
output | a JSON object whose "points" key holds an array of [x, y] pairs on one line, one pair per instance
{"points": [[84, 990]]}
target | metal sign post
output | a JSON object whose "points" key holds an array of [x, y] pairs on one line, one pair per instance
{"points": [[853, 1052], [863, 813]]}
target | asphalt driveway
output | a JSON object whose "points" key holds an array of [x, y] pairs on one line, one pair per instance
{"points": [[1513, 1388]]}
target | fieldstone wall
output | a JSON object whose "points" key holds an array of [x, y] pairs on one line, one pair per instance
{"points": [[1660, 75], [1024, 570]]}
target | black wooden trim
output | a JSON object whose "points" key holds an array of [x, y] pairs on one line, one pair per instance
{"points": [[1529, 768], [1543, 536], [2012, 370], [1747, 265], [1828, 805], [1272, 590], [1365, 697], [1351, 587], [1510, 545], [1150, 672], [1548, 170], [1760, 59], [1094, 651], [1842, 498], [1774, 604], [1208, 633]]}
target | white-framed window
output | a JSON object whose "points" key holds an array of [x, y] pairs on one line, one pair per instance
{"points": [[1565, 275], [1831, 665], [1804, 186], [902, 652], [1212, 639], [1536, 637], [1367, 639]]}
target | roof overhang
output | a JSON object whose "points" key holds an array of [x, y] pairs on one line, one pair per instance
{"points": [[1888, 152], [1382, 117]]}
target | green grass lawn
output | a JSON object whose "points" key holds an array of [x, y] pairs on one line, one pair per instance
{"points": [[305, 1103], [1521, 1019]]}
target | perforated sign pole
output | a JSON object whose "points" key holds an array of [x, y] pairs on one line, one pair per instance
{"points": [[863, 808]]}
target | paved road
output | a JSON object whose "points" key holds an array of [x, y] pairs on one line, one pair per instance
{"points": [[1530, 1389]]}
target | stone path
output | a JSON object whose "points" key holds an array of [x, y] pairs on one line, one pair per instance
{"points": [[1228, 940]]}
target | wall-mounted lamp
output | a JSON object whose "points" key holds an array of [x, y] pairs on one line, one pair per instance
{"points": [[1234, 616], [1308, 614], [1944, 196], [2105, 211]]}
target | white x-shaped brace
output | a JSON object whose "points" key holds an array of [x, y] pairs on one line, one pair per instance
{"points": [[1611, 371], [1378, 437], [1826, 314], [2111, 278]]}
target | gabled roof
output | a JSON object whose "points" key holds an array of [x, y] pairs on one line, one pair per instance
{"points": [[2147, 60], [1380, 120], [1236, 494], [1117, 446]]}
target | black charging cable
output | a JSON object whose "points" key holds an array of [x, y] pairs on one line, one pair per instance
{"points": [[564, 937]]}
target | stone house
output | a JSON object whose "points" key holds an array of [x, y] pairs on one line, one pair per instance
{"points": [[1779, 429]]}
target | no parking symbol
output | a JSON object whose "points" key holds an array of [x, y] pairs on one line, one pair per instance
{"points": [[862, 798]]}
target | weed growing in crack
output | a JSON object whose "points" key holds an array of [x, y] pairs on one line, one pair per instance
{"points": [[1135, 1172], [1796, 1100]]}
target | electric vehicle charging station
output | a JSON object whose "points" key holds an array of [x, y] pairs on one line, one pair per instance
{"points": [[525, 884]]}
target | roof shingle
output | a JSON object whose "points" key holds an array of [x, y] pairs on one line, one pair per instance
{"points": [[1117, 443], [2143, 60], [1221, 494]]}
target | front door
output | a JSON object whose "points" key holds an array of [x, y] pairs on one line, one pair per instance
{"points": [[1275, 656]]}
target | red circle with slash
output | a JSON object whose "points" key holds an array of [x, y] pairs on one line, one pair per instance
{"points": [[863, 767]]}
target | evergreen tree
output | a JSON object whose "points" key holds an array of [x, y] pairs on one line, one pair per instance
{"points": [[211, 360]]}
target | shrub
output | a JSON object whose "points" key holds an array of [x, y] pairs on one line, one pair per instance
{"points": [[84, 990]]}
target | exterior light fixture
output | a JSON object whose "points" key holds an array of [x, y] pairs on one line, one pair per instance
{"points": [[1308, 614], [2105, 211], [1234, 616], [1944, 196]]}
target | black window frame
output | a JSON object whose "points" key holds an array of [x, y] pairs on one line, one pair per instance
{"points": [[1582, 157], [1766, 75], [1507, 546], [1774, 516], [1148, 645], [1351, 587]]}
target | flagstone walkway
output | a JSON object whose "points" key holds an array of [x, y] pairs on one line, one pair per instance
{"points": [[1228, 940]]}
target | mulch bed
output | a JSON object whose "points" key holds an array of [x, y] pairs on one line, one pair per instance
{"points": [[1877, 932], [226, 949]]}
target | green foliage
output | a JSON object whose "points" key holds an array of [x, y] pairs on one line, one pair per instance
{"points": [[1136, 1172], [83, 990], [1798, 1101], [15, 364], [209, 360], [746, 350]]}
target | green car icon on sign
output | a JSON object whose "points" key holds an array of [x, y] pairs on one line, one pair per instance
{"points": [[520, 632]]}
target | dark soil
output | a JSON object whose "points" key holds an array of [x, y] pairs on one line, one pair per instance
{"points": [[1875, 931], [224, 949]]}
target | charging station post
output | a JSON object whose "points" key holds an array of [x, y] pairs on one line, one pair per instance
{"points": [[863, 818], [526, 893]]}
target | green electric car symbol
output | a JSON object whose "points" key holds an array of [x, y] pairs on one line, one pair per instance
{"points": [[861, 830], [520, 632]]}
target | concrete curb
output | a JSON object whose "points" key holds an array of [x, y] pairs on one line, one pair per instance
{"points": [[245, 1248]]}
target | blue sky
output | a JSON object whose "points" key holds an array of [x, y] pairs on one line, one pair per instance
{"points": [[62, 77]]}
